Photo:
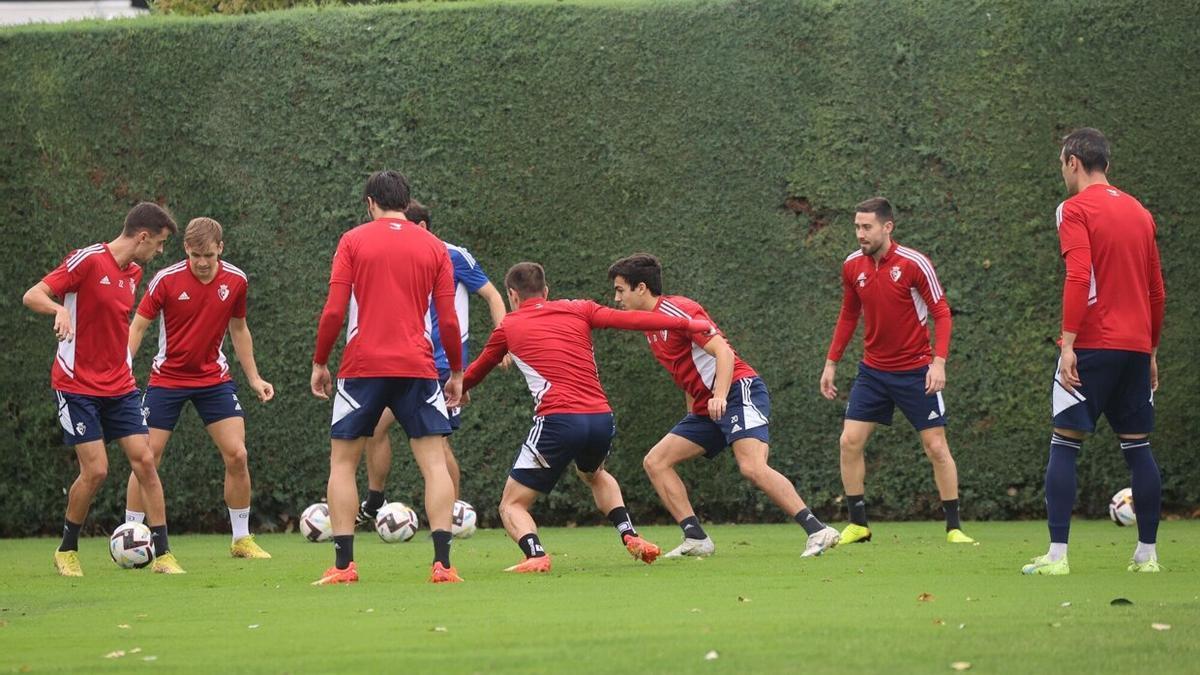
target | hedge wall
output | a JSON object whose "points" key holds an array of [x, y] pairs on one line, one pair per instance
{"points": [[731, 138]]}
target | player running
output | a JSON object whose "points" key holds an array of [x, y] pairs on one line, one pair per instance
{"points": [[468, 278], [385, 272], [195, 301], [1113, 302], [551, 343], [727, 405], [98, 399], [897, 290]]}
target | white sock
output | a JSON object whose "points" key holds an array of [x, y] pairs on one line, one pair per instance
{"points": [[240, 520], [1057, 552], [1144, 552], [134, 516]]}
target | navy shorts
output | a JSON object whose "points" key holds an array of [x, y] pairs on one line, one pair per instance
{"points": [[90, 418], [456, 412], [417, 403], [557, 440], [747, 415], [1114, 383], [876, 393], [213, 404]]}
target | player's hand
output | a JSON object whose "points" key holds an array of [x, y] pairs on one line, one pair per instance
{"points": [[1068, 370], [454, 389], [701, 326], [321, 384], [828, 389], [935, 377], [264, 389], [1154, 372], [716, 407], [62, 325], [466, 399], [505, 362]]}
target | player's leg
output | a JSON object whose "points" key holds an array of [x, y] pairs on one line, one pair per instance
{"points": [[452, 466], [589, 466], [660, 463], [515, 504], [229, 435], [141, 460], [79, 417], [379, 465], [751, 455], [870, 404], [161, 408], [1131, 414], [135, 512]]}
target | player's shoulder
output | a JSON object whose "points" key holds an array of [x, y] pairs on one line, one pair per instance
{"points": [[234, 270], [166, 273], [460, 254], [914, 256], [82, 257], [852, 258], [679, 305]]}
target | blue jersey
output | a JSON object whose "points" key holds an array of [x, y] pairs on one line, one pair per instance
{"points": [[468, 279]]}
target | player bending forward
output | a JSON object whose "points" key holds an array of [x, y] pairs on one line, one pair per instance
{"points": [[727, 405], [195, 301], [551, 343]]}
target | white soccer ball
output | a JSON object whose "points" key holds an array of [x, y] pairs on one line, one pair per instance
{"points": [[131, 546], [315, 524], [395, 522], [462, 520], [1120, 509]]}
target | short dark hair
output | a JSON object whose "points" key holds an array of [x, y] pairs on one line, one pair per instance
{"points": [[1089, 146], [148, 217], [418, 213], [639, 268], [528, 279], [880, 206], [388, 189]]}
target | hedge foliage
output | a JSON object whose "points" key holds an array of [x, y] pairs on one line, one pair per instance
{"points": [[732, 138]]}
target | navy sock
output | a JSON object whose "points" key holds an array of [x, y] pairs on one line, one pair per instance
{"points": [[950, 506], [343, 549], [158, 535], [531, 546], [1147, 487], [70, 540], [858, 509], [441, 547], [691, 528], [1061, 484], [808, 521], [620, 519], [374, 500]]}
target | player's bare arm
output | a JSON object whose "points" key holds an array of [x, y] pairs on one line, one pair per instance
{"points": [[137, 331], [719, 349], [828, 388], [243, 346], [495, 303], [41, 300]]}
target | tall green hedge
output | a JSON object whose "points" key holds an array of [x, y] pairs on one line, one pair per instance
{"points": [[729, 137]]}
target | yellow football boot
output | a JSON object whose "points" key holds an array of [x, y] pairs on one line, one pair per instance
{"points": [[957, 536], [167, 564], [855, 534], [67, 563], [246, 547]]}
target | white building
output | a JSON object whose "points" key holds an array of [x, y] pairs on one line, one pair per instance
{"points": [[13, 12]]}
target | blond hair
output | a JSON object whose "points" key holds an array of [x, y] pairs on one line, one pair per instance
{"points": [[201, 232]]}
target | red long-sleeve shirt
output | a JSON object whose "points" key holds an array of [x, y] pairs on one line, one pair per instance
{"points": [[897, 296], [1113, 296]]}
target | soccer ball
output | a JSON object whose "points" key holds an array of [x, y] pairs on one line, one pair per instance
{"points": [[395, 522], [462, 520], [130, 546], [315, 524], [1120, 509]]}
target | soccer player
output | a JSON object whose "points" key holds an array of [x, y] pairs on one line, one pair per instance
{"points": [[98, 399], [551, 343], [727, 405], [195, 301], [897, 290], [468, 278], [385, 272], [1112, 313]]}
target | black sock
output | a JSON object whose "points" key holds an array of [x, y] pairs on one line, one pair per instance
{"points": [[441, 547], [808, 521], [343, 548], [691, 528], [950, 506], [374, 500], [620, 519], [531, 545], [158, 535], [70, 540], [858, 509]]}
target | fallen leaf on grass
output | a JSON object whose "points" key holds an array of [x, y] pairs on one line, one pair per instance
{"points": [[1056, 625], [135, 650], [439, 629], [925, 597], [1161, 626], [744, 599], [939, 622], [1065, 604], [712, 655], [961, 665], [695, 610], [149, 658], [122, 625], [115, 655], [252, 626]]}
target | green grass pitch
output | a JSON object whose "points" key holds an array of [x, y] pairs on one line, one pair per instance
{"points": [[906, 602]]}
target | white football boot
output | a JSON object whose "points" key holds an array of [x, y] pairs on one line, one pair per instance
{"points": [[697, 548], [821, 541]]}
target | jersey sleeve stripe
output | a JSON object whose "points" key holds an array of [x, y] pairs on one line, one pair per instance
{"points": [[852, 256], [668, 308], [177, 267], [233, 269], [1058, 213], [465, 254], [935, 287], [81, 256]]}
